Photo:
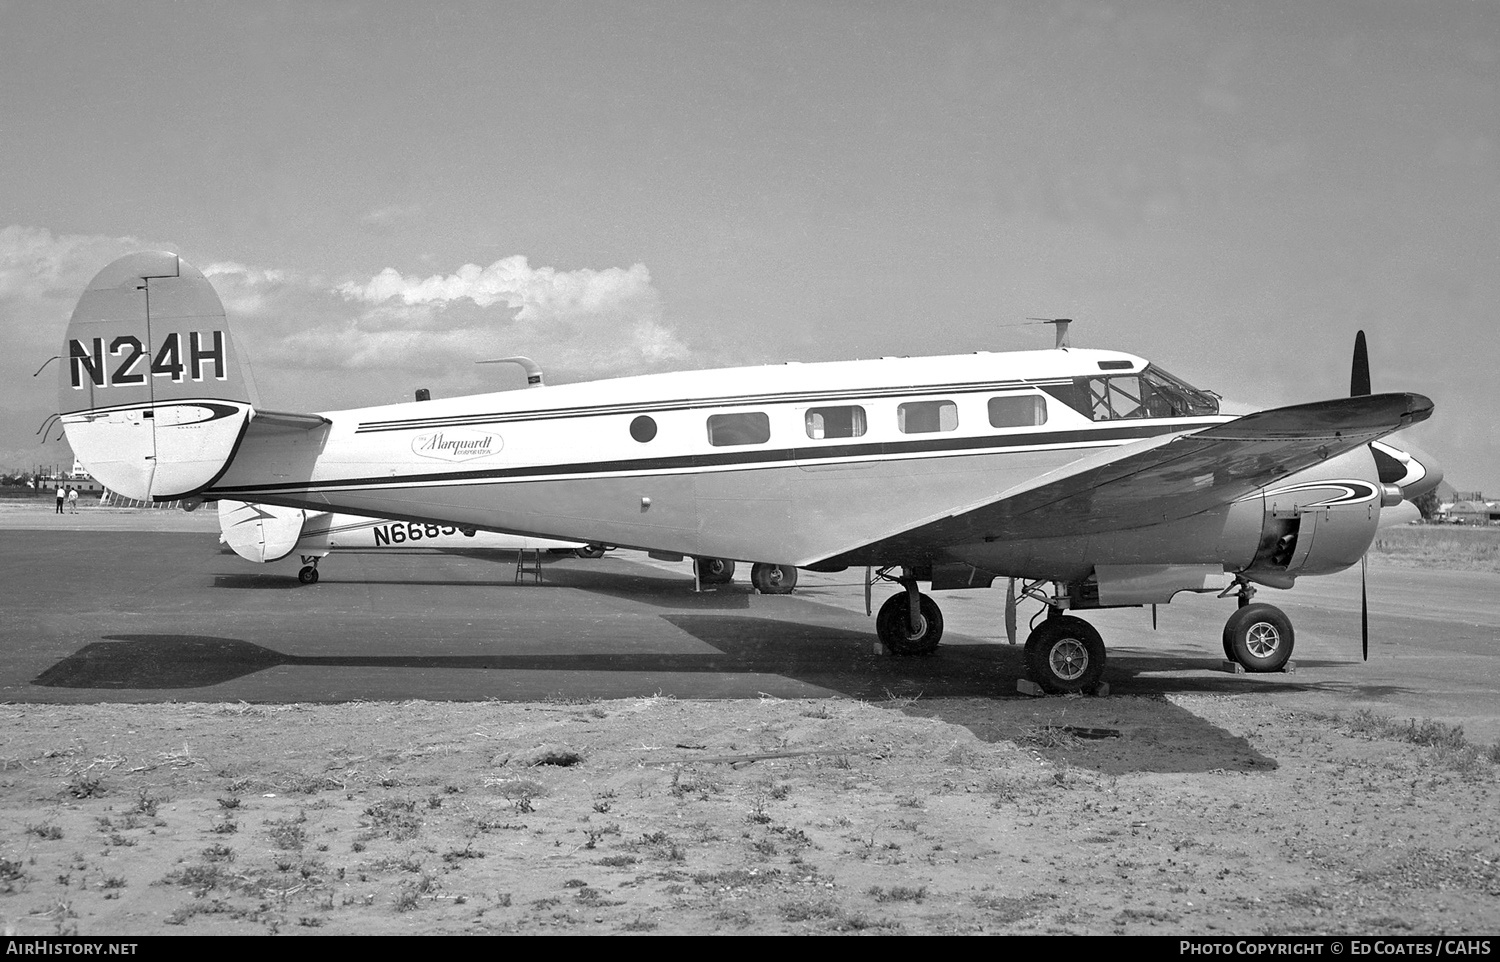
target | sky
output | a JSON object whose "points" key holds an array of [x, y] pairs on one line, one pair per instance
{"points": [[385, 192]]}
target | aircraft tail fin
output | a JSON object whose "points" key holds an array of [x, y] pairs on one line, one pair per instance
{"points": [[151, 391]]}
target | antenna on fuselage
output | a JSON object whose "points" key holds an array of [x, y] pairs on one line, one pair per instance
{"points": [[533, 370], [1061, 323]]}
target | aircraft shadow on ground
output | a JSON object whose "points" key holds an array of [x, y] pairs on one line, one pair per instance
{"points": [[832, 658]]}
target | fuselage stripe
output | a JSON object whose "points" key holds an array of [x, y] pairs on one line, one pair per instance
{"points": [[690, 404], [756, 459]]}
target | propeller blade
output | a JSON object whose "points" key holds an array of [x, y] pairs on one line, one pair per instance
{"points": [[1359, 374], [1364, 608], [1010, 611]]}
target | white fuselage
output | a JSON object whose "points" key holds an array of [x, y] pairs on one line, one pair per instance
{"points": [[763, 463]]}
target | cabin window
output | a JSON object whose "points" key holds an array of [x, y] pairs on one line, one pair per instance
{"points": [[747, 427], [643, 428], [924, 417], [1018, 411], [839, 422]]}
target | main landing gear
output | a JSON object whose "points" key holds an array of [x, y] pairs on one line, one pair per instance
{"points": [[309, 573], [1065, 654], [771, 579], [768, 579], [909, 623], [1257, 636]]}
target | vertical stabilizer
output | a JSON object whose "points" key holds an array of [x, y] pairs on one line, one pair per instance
{"points": [[150, 388]]}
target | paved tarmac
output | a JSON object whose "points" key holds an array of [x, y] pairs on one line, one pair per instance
{"points": [[111, 606]]}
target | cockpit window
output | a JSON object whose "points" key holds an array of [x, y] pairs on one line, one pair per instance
{"points": [[1176, 398], [1151, 394]]}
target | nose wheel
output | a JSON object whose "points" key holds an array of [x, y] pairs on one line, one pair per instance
{"points": [[309, 573]]}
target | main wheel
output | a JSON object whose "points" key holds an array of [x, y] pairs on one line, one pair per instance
{"points": [[308, 575], [1259, 637], [715, 571], [773, 579], [1065, 655], [590, 551], [893, 626]]}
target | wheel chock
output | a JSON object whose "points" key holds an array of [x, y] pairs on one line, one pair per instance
{"points": [[1235, 668], [1028, 687]]}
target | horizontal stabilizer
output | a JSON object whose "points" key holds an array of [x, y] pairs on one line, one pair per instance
{"points": [[260, 532]]}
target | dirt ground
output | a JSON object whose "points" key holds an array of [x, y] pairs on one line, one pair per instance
{"points": [[1214, 815]]}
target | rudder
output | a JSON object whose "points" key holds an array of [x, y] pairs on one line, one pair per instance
{"points": [[150, 390]]}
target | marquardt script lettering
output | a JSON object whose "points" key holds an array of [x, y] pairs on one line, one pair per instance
{"points": [[456, 445]]}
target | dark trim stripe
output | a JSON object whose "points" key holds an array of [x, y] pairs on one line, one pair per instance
{"points": [[221, 407], [853, 395], [758, 458]]}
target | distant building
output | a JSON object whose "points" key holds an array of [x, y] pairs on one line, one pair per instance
{"points": [[1471, 511]]}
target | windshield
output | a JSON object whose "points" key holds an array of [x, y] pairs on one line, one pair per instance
{"points": [[1172, 397], [1151, 394]]}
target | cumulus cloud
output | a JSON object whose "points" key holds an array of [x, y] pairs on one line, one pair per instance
{"points": [[608, 321], [38, 267]]}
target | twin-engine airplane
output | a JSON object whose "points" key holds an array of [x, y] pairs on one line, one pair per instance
{"points": [[1091, 471]]}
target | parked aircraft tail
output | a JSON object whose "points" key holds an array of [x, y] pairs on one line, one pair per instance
{"points": [[150, 390]]}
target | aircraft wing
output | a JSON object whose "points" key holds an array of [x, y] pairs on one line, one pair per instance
{"points": [[1159, 479]]}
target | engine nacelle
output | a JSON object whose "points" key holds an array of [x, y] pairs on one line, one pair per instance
{"points": [[1318, 521]]}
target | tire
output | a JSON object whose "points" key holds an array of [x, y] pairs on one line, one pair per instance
{"points": [[714, 571], [308, 575], [773, 579], [1065, 655], [590, 551], [1259, 637], [893, 626]]}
